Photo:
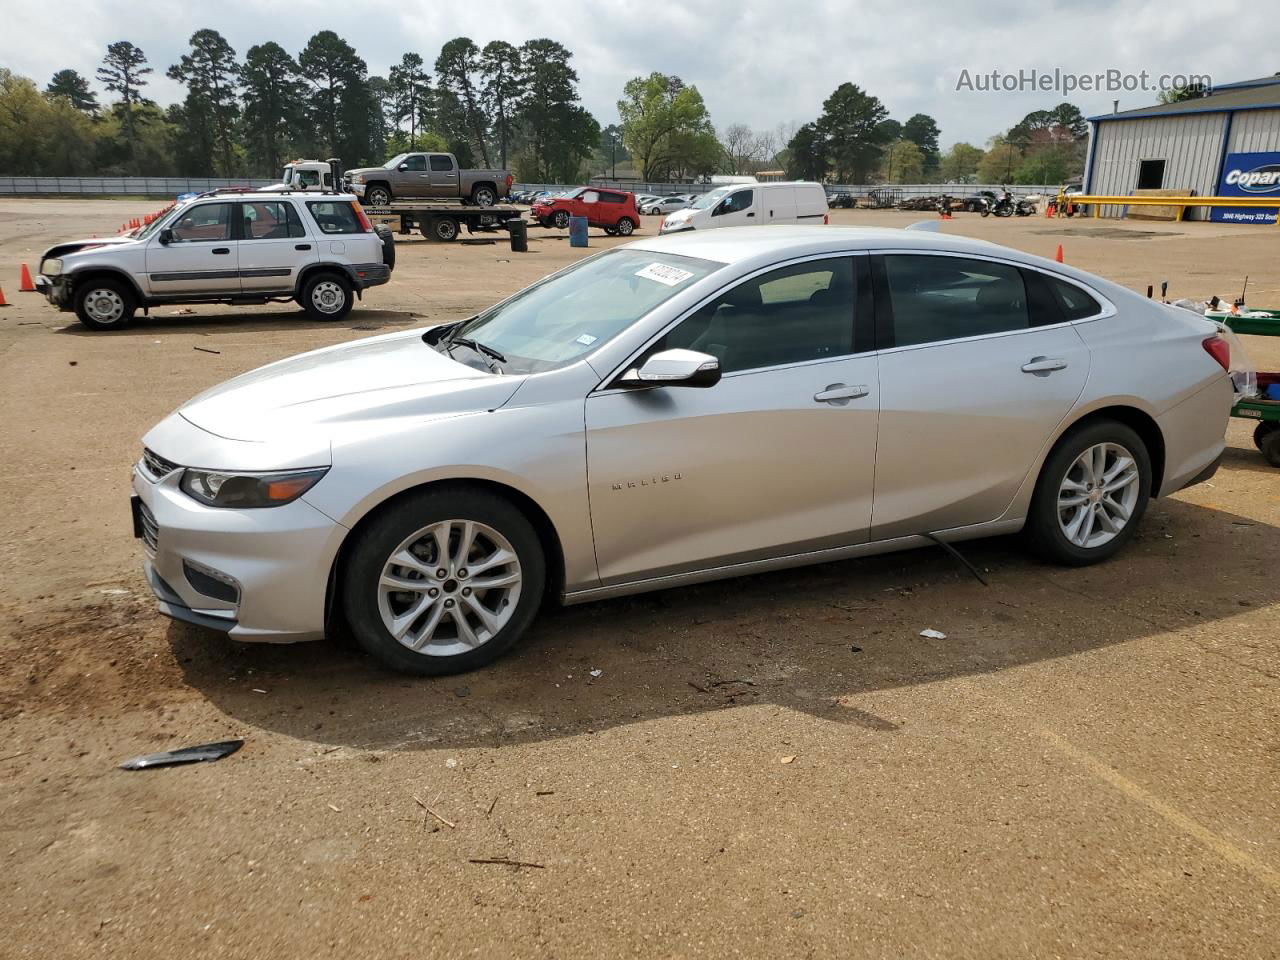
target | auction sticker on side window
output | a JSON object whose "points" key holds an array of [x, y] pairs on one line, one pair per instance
{"points": [[671, 276]]}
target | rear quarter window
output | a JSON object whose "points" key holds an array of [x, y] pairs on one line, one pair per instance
{"points": [[1074, 302], [335, 216]]}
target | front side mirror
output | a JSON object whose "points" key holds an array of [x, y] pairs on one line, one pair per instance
{"points": [[403, 167], [675, 368], [166, 235]]}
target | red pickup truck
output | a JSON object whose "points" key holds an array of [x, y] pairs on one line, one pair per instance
{"points": [[612, 210]]}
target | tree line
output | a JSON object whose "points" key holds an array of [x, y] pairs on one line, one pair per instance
{"points": [[504, 104], [247, 116]]}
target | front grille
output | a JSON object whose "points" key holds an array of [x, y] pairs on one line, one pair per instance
{"points": [[150, 529], [156, 466]]}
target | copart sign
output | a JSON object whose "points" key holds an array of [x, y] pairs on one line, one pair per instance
{"points": [[1249, 175]]}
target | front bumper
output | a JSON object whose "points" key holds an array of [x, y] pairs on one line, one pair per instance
{"points": [[279, 559], [54, 289], [357, 188]]}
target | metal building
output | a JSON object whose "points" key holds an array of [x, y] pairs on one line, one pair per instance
{"points": [[1205, 147]]}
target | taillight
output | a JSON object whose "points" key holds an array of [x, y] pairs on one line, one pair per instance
{"points": [[363, 217], [826, 219], [510, 180], [1219, 349]]}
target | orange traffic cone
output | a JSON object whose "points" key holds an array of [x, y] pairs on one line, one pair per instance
{"points": [[24, 283], [3, 301], [1058, 256]]}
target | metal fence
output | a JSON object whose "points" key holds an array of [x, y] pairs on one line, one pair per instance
{"points": [[118, 186], [173, 186], [905, 190]]}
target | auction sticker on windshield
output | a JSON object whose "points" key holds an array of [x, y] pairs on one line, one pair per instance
{"points": [[671, 276]]}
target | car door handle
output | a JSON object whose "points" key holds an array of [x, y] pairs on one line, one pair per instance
{"points": [[221, 250], [302, 246], [1044, 365], [840, 393], [751, 214]]}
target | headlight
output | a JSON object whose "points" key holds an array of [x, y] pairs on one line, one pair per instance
{"points": [[51, 268], [217, 489], [357, 178]]}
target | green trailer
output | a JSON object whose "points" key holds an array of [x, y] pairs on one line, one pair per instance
{"points": [[1264, 411]]}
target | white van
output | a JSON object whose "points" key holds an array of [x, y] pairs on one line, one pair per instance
{"points": [[754, 204]]}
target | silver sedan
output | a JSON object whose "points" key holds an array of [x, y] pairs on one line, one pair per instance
{"points": [[675, 410]]}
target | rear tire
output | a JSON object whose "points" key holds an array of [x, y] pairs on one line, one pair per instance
{"points": [[484, 196], [460, 627], [1270, 448], [442, 230], [626, 226], [1263, 430], [326, 297], [104, 304], [1092, 492]]}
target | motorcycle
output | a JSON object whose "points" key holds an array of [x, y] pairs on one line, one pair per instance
{"points": [[1004, 205]]}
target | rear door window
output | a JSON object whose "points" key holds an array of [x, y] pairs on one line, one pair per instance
{"points": [[937, 298], [271, 220], [441, 164], [335, 216]]}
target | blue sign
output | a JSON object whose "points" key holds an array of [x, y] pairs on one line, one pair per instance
{"points": [[1249, 175]]}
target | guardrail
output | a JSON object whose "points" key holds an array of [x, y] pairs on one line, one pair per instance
{"points": [[1098, 201], [169, 187]]}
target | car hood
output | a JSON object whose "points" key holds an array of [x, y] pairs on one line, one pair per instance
{"points": [[74, 246], [346, 387], [364, 171]]}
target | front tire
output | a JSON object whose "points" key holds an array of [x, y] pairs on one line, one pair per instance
{"points": [[378, 196], [1092, 493], [442, 230], [326, 297], [104, 304], [444, 581], [560, 220]]}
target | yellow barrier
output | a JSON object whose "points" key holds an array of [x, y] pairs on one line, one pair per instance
{"points": [[1098, 201]]}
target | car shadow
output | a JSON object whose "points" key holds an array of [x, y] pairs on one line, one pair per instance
{"points": [[815, 639], [238, 320]]}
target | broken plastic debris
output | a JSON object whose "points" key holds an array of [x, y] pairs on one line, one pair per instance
{"points": [[597, 673], [933, 634], [198, 754], [790, 759], [451, 763]]}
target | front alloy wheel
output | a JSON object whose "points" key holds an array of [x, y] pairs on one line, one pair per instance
{"points": [[378, 196], [444, 580], [560, 219]]}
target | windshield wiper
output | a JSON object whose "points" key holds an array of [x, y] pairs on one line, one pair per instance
{"points": [[491, 356]]}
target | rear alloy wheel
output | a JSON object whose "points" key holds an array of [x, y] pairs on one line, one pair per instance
{"points": [[378, 196], [484, 196], [560, 219], [1092, 493], [626, 227], [444, 581], [326, 296], [104, 304]]}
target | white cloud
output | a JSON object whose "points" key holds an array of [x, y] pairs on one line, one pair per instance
{"points": [[758, 62]]}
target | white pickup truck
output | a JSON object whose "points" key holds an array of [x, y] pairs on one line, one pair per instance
{"points": [[308, 176], [231, 246]]}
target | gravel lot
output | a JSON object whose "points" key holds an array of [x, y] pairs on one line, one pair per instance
{"points": [[1087, 765]]}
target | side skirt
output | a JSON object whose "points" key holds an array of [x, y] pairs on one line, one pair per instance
{"points": [[992, 529]]}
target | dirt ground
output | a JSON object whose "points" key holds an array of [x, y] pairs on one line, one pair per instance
{"points": [[1087, 765]]}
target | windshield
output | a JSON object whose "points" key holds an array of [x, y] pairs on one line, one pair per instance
{"points": [[578, 310], [711, 199], [395, 161], [284, 177], [160, 222]]}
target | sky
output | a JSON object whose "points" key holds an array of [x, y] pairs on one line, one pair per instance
{"points": [[755, 62]]}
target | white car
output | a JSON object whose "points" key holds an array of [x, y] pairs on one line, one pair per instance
{"points": [[317, 249], [670, 411], [664, 206]]}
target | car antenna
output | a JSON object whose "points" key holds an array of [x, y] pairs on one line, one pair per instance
{"points": [[1164, 288], [1240, 302], [959, 556]]}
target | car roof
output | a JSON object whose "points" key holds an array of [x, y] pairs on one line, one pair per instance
{"points": [[264, 195], [739, 244]]}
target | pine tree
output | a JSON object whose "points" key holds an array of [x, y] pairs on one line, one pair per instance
{"points": [[456, 69], [212, 77], [123, 71], [273, 98], [74, 88]]}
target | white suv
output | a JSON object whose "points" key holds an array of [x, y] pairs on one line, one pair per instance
{"points": [[225, 247]]}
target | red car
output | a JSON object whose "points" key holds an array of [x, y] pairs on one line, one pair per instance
{"points": [[612, 210]]}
